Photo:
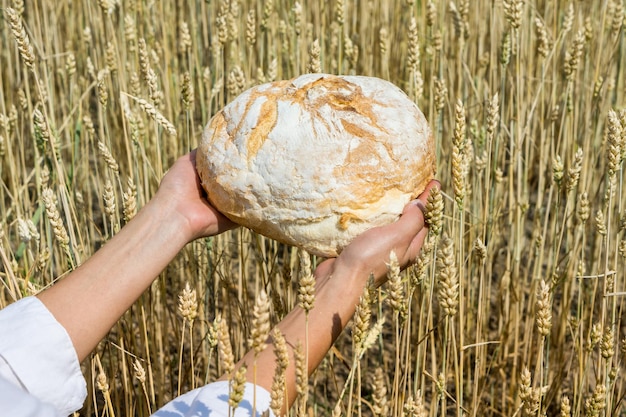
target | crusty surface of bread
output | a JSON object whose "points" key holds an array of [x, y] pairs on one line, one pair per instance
{"points": [[316, 160]]}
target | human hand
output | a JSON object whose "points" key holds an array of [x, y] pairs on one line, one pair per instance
{"points": [[181, 190], [368, 253], [339, 285]]}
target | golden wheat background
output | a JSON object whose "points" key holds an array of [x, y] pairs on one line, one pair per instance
{"points": [[517, 306]]}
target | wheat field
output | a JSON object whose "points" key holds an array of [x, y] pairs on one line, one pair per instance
{"points": [[516, 306]]}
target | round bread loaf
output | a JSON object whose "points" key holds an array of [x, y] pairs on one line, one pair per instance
{"points": [[316, 160]]}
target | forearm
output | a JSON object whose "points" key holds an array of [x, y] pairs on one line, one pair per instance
{"points": [[334, 306], [89, 301]]}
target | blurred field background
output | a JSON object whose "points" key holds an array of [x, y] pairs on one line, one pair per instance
{"points": [[516, 307]]}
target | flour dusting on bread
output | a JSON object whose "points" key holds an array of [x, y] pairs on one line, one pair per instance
{"points": [[316, 160]]}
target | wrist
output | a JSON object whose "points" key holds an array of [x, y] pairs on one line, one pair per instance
{"points": [[166, 215], [346, 281]]}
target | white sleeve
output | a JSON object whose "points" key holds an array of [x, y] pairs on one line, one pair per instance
{"points": [[16, 402], [38, 359], [212, 401]]}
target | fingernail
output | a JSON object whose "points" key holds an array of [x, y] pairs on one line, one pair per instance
{"points": [[419, 204]]}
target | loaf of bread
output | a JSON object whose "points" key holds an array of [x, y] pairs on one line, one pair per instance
{"points": [[316, 160]]}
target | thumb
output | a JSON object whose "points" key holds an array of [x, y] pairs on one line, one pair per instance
{"points": [[412, 219], [413, 214]]}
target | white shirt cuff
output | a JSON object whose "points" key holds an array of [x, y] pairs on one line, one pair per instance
{"points": [[40, 355], [212, 400], [16, 402]]}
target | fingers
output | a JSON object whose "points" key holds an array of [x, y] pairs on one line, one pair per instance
{"points": [[421, 200], [369, 253], [416, 245], [413, 213], [412, 223], [412, 219], [432, 184]]}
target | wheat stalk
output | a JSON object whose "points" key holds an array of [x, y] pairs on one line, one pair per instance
{"points": [[155, 115], [21, 38]]}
